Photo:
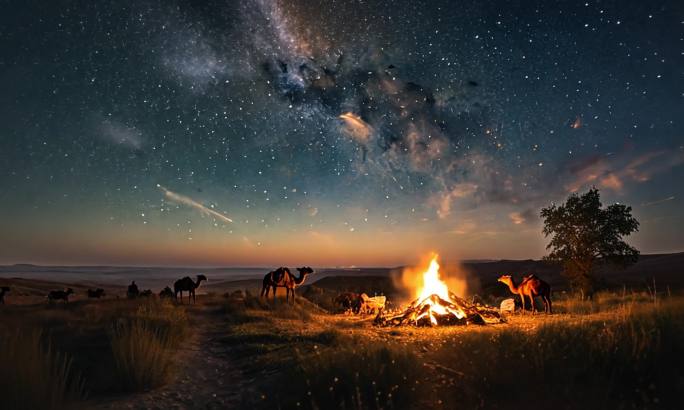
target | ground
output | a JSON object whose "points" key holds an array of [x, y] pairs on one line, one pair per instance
{"points": [[237, 350]]}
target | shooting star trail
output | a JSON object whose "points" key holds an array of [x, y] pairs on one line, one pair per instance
{"points": [[184, 200], [659, 201]]}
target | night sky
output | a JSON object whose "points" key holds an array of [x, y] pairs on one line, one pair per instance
{"points": [[331, 133]]}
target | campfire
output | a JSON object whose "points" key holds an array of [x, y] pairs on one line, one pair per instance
{"points": [[437, 306]]}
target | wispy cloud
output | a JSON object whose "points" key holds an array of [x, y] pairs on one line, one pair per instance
{"points": [[185, 200], [119, 133], [616, 171]]}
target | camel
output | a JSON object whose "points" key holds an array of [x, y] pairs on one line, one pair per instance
{"points": [[271, 278], [186, 284], [3, 290], [60, 294], [166, 293], [283, 278], [530, 286], [349, 301], [97, 293], [146, 293]]}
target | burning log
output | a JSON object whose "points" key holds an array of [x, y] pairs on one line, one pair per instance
{"points": [[435, 311], [437, 306]]}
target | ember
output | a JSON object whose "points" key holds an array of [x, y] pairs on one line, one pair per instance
{"points": [[437, 306]]}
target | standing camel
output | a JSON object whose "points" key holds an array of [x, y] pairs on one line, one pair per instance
{"points": [[188, 285], [530, 286], [59, 294], [272, 278], [3, 290], [285, 279]]}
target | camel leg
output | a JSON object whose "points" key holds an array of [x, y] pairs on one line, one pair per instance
{"points": [[522, 298], [547, 304], [534, 309]]}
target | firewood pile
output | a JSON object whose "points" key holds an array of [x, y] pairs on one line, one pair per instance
{"points": [[436, 311]]}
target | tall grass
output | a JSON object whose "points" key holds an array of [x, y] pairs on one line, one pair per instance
{"points": [[353, 376], [623, 361], [143, 345], [601, 302], [33, 375]]}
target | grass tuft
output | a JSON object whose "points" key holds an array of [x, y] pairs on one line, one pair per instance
{"points": [[33, 375], [143, 345], [359, 377]]}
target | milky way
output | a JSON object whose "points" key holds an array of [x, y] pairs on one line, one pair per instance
{"points": [[323, 128]]}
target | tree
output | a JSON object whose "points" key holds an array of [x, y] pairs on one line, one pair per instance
{"points": [[584, 235]]}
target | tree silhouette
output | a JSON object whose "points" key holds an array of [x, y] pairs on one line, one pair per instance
{"points": [[585, 235]]}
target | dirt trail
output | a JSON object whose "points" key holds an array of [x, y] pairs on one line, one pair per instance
{"points": [[206, 378]]}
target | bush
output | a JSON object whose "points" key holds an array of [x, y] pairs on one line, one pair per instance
{"points": [[143, 345], [33, 375]]}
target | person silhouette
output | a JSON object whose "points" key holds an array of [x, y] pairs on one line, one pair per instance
{"points": [[133, 290]]}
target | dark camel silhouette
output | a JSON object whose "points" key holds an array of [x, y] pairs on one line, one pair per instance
{"points": [[97, 293], [186, 284], [286, 280], [166, 293], [146, 293], [349, 301], [530, 286], [3, 290], [272, 278], [60, 294]]}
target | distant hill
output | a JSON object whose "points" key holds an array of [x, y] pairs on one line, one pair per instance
{"points": [[666, 269]]}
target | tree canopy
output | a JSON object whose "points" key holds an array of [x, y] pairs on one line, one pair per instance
{"points": [[584, 235]]}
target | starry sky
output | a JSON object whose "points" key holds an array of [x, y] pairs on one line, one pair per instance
{"points": [[331, 133]]}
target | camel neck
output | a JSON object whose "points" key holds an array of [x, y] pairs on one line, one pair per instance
{"points": [[300, 279], [512, 287]]}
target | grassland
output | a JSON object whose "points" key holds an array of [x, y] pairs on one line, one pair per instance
{"points": [[620, 350], [64, 353]]}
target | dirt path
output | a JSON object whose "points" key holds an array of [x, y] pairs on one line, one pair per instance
{"points": [[206, 379]]}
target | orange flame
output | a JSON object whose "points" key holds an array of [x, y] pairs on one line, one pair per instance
{"points": [[434, 286]]}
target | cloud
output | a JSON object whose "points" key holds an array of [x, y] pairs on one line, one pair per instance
{"points": [[611, 181], [118, 133], [355, 127], [185, 200], [516, 218], [615, 171], [444, 199], [524, 217]]}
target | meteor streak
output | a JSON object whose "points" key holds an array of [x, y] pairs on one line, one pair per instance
{"points": [[355, 126], [182, 199]]}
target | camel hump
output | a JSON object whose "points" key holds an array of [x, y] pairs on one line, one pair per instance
{"points": [[529, 277]]}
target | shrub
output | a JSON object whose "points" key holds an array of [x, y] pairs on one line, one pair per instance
{"points": [[143, 344]]}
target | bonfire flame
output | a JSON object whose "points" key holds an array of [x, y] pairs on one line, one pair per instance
{"points": [[433, 298], [436, 305]]}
